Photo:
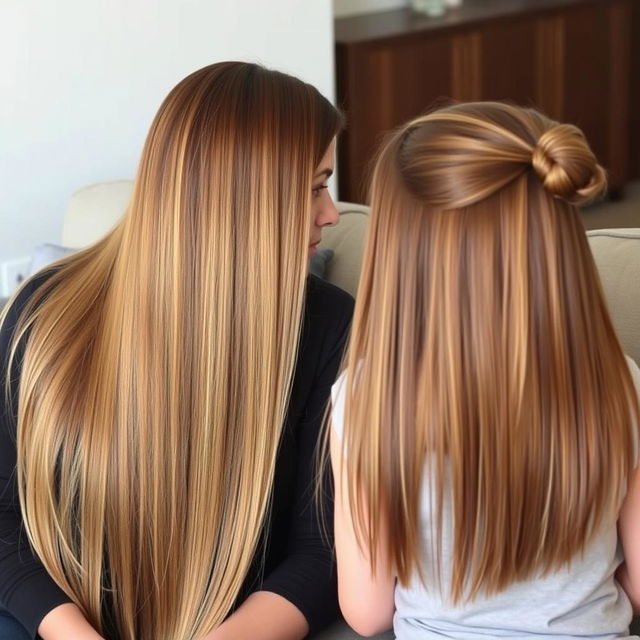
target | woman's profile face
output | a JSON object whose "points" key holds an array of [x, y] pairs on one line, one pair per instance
{"points": [[323, 210]]}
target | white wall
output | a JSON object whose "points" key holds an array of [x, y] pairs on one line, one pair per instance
{"points": [[343, 8], [80, 81]]}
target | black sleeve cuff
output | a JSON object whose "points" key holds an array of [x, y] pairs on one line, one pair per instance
{"points": [[33, 599], [313, 593]]}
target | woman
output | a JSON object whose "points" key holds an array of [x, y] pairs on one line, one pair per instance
{"points": [[486, 432], [167, 386]]}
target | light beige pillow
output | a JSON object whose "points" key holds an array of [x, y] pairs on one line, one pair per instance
{"points": [[617, 254], [93, 211], [346, 240]]}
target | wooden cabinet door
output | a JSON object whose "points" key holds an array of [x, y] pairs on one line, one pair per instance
{"points": [[380, 86], [573, 63], [596, 73]]}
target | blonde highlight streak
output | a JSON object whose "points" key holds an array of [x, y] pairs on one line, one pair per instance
{"points": [[468, 119]]}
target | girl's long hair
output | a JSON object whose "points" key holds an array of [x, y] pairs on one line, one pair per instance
{"points": [[482, 351], [158, 362]]}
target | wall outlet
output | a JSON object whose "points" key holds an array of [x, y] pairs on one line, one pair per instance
{"points": [[12, 273]]}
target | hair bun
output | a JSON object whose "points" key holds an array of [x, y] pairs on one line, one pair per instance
{"points": [[566, 165]]}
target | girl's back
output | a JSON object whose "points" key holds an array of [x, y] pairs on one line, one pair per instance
{"points": [[580, 600], [490, 417]]}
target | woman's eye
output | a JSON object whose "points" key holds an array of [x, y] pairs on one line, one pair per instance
{"points": [[316, 191]]}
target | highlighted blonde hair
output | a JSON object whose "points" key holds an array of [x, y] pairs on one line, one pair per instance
{"points": [[482, 348], [159, 361]]}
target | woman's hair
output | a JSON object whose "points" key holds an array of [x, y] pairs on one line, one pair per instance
{"points": [[482, 352], [158, 362]]}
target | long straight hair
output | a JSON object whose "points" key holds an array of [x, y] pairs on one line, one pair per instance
{"points": [[482, 351], [158, 362]]}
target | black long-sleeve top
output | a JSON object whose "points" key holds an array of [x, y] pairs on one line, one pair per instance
{"points": [[295, 556]]}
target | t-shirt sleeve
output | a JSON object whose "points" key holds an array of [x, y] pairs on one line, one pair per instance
{"points": [[27, 592], [306, 577]]}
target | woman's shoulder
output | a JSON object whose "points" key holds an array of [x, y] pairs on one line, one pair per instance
{"points": [[326, 300], [327, 319], [10, 317], [17, 304]]}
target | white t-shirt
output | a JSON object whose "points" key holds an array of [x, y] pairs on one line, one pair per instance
{"points": [[580, 600]]}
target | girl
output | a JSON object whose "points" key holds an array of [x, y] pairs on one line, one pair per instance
{"points": [[485, 432], [166, 386]]}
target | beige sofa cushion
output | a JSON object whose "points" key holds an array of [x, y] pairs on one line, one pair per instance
{"points": [[347, 241], [92, 212], [617, 254]]}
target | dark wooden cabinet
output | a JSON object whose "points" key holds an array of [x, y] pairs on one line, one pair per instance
{"points": [[570, 58], [634, 115]]}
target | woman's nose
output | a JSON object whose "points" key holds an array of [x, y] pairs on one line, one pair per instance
{"points": [[329, 215]]}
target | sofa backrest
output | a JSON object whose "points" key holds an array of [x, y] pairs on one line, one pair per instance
{"points": [[616, 252], [92, 211]]}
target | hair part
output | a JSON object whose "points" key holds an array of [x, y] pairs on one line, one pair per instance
{"points": [[158, 362], [482, 357]]}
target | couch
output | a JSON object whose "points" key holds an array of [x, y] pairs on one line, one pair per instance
{"points": [[93, 210]]}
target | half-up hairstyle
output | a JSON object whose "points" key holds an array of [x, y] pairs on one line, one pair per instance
{"points": [[482, 352], [158, 362]]}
